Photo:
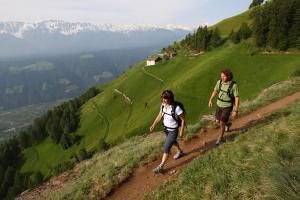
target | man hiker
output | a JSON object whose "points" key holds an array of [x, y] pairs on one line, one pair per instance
{"points": [[228, 101], [172, 115]]}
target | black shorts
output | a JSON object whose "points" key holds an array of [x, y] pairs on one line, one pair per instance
{"points": [[170, 140], [223, 114]]}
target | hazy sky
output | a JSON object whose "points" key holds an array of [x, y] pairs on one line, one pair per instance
{"points": [[155, 12]]}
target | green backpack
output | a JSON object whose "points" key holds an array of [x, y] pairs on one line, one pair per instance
{"points": [[229, 92]]}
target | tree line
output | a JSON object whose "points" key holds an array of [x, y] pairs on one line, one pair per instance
{"points": [[202, 39], [277, 24], [59, 124], [274, 24]]}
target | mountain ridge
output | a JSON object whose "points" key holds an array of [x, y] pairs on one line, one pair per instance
{"points": [[18, 29], [51, 38]]}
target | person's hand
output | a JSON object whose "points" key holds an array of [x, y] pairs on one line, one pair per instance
{"points": [[210, 104], [235, 114], [152, 128], [181, 135]]}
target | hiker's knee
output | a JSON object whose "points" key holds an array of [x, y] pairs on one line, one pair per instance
{"points": [[222, 123], [167, 147]]}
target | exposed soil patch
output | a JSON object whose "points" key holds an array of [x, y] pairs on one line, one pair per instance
{"points": [[143, 180]]}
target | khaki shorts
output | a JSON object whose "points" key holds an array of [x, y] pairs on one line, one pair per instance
{"points": [[223, 114]]}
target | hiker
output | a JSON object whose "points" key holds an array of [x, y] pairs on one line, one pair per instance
{"points": [[173, 119], [227, 103]]}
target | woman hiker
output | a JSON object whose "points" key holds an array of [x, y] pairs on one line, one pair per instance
{"points": [[228, 101], [172, 115]]}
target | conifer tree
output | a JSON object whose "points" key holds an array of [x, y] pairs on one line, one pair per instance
{"points": [[260, 25], [234, 37], [298, 43], [256, 3], [24, 140], [7, 181], [244, 31], [294, 32], [215, 38]]}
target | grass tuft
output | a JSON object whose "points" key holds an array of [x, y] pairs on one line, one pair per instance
{"points": [[263, 163]]}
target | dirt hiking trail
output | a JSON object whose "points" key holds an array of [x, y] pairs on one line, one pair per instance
{"points": [[143, 180]]}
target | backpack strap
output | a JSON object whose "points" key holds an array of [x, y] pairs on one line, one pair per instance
{"points": [[173, 114], [228, 92], [220, 85], [177, 119], [164, 113]]}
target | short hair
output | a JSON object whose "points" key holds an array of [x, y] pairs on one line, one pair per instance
{"points": [[167, 94], [227, 73]]}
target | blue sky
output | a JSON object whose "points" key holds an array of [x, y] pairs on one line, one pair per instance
{"points": [[156, 12]]}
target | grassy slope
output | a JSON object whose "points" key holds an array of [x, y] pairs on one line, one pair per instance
{"points": [[108, 117], [233, 23], [192, 80], [262, 163], [96, 180]]}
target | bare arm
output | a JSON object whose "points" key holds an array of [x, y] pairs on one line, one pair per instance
{"points": [[214, 93], [156, 121], [236, 107], [181, 131]]}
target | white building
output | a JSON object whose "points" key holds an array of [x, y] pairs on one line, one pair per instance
{"points": [[152, 61]]}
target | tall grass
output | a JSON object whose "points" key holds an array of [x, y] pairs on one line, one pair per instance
{"points": [[262, 163], [99, 175], [191, 79], [95, 178], [268, 95]]}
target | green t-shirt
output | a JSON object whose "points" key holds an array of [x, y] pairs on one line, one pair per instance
{"points": [[223, 95]]}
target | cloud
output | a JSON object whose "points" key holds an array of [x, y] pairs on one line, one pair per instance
{"points": [[189, 12], [98, 11]]}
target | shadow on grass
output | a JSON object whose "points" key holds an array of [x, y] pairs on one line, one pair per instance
{"points": [[195, 152], [264, 121], [233, 133]]}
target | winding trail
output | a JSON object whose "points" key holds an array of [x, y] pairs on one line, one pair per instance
{"points": [[152, 75], [126, 97], [143, 180], [101, 115]]}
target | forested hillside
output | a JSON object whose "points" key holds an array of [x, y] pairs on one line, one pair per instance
{"points": [[127, 106]]}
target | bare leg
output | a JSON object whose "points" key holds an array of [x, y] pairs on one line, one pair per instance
{"points": [[222, 130], [164, 159]]}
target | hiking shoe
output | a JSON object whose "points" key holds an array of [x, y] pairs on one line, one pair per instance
{"points": [[219, 141], [227, 127], [178, 155], [158, 170]]}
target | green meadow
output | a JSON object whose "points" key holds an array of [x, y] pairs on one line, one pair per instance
{"points": [[96, 179], [233, 23], [109, 119], [260, 163]]}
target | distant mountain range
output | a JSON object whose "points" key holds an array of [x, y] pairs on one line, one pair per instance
{"points": [[47, 79], [59, 37]]}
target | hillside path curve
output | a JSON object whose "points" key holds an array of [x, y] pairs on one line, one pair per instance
{"points": [[143, 180]]}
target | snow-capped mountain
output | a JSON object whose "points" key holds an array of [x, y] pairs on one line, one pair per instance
{"points": [[18, 29], [18, 39]]}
